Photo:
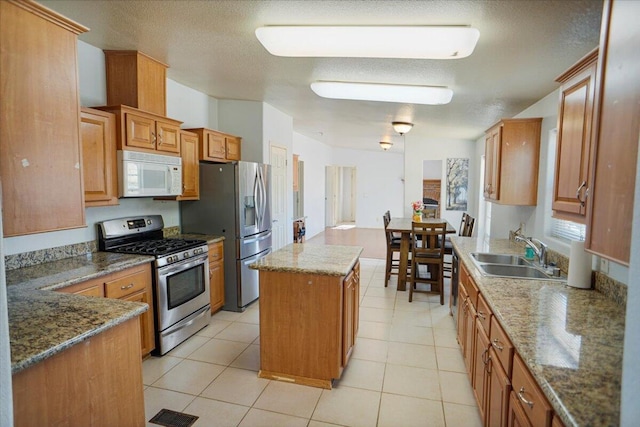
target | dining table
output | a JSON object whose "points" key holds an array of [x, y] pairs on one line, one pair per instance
{"points": [[403, 227]]}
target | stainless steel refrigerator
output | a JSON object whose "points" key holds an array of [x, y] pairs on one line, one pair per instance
{"points": [[234, 203]]}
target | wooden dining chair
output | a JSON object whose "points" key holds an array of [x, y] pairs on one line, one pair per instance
{"points": [[427, 257], [466, 230], [393, 247]]}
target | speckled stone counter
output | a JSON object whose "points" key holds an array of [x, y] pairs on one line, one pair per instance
{"points": [[570, 339], [43, 323], [329, 260]]}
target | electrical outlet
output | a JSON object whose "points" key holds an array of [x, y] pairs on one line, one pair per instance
{"points": [[604, 266]]}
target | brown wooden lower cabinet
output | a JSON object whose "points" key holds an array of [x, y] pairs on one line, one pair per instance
{"points": [[216, 275], [480, 358], [529, 396], [516, 416], [97, 382], [498, 389], [308, 325], [131, 284]]}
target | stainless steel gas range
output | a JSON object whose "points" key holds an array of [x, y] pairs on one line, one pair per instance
{"points": [[180, 275]]}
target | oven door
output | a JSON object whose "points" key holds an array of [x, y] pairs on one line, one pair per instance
{"points": [[181, 289]]}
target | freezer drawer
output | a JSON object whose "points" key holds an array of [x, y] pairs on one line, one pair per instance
{"points": [[249, 287], [252, 245]]}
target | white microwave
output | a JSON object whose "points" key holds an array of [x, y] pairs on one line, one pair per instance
{"points": [[148, 175]]}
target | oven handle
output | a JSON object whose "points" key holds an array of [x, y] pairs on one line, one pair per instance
{"points": [[203, 311], [183, 265]]}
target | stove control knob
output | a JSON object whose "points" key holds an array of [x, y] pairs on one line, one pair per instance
{"points": [[186, 254]]}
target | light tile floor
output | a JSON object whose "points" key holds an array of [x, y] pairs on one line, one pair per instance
{"points": [[406, 370]]}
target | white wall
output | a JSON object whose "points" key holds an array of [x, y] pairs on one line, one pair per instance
{"points": [[416, 151], [187, 105], [432, 169], [315, 156], [379, 183], [244, 118]]}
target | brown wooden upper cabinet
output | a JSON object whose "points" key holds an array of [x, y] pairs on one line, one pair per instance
{"points": [[142, 131], [40, 155], [616, 130], [574, 146], [217, 146], [99, 169], [512, 151], [136, 80]]}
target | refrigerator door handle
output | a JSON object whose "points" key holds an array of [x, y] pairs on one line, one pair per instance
{"points": [[257, 239], [263, 198], [256, 197]]}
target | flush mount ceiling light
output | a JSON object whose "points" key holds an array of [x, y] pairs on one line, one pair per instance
{"points": [[415, 42], [402, 127], [385, 145], [403, 94]]}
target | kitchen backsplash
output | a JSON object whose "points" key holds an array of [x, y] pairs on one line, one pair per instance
{"points": [[27, 259]]}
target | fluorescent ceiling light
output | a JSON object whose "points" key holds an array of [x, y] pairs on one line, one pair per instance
{"points": [[417, 42], [383, 92]]}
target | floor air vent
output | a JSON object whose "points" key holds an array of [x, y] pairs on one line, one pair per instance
{"points": [[169, 418]]}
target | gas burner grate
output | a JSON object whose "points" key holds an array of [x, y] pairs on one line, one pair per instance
{"points": [[169, 418]]}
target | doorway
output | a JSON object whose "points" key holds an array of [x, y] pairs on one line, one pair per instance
{"points": [[340, 199]]}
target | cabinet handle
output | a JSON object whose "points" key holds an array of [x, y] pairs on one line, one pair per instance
{"points": [[529, 403], [481, 315], [129, 286], [578, 193], [160, 138], [153, 137], [495, 345]]}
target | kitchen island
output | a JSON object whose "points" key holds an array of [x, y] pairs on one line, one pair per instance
{"points": [[309, 308], [570, 340]]}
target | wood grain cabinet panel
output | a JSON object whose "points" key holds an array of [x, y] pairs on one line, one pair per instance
{"points": [[136, 80], [616, 129], [307, 325], [574, 147], [498, 389], [40, 153], [97, 382], [190, 166], [99, 168], [216, 275], [512, 151], [216, 146], [528, 395]]}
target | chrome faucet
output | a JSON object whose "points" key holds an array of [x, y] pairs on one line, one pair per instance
{"points": [[541, 252]]}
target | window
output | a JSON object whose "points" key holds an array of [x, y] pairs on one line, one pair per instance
{"points": [[567, 230]]}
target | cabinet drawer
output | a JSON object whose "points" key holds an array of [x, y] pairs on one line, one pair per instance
{"points": [[484, 314], [126, 285], [215, 252], [529, 396], [502, 345]]}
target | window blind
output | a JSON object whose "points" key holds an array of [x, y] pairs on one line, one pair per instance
{"points": [[567, 230]]}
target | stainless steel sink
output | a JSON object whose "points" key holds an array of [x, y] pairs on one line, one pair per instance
{"points": [[499, 259], [508, 265], [518, 271]]}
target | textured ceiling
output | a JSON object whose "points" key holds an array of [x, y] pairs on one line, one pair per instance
{"points": [[211, 47]]}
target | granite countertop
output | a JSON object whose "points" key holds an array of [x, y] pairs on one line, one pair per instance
{"points": [[43, 323], [570, 339], [305, 258]]}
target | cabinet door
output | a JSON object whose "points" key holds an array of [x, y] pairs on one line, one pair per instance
{"points": [[216, 283], [497, 392], [214, 147], [190, 166], [147, 339], [348, 327], [232, 148], [516, 417], [462, 310], [168, 137], [140, 131], [99, 170], [610, 205], [470, 337], [40, 157], [492, 164], [573, 151], [481, 350]]}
